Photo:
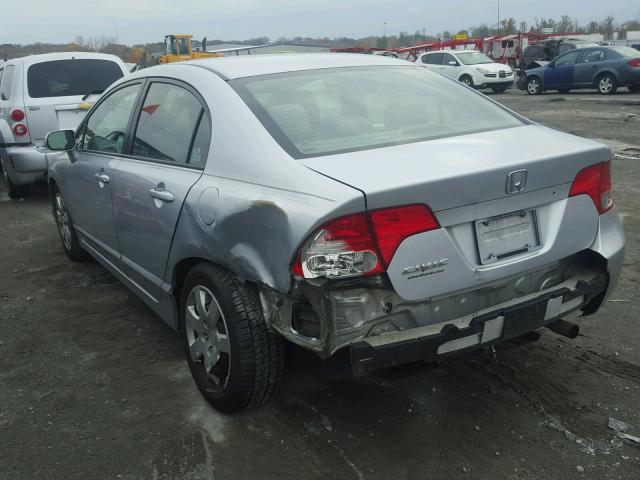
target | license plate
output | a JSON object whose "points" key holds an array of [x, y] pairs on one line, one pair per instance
{"points": [[506, 235]]}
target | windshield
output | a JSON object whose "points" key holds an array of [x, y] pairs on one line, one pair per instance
{"points": [[61, 78], [473, 58], [318, 112]]}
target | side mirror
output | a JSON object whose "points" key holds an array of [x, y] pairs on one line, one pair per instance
{"points": [[453, 63], [61, 140]]}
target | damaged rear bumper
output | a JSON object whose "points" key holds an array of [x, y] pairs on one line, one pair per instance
{"points": [[496, 324]]}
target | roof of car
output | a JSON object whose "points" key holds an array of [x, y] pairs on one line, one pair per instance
{"points": [[253, 65], [48, 57]]}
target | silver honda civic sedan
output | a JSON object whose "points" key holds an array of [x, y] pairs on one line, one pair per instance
{"points": [[334, 201]]}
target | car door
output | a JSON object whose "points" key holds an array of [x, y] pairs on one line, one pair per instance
{"points": [[588, 66], [165, 159], [559, 73], [450, 66], [88, 182]]}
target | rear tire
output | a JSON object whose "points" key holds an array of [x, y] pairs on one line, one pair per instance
{"points": [[533, 86], [68, 236], [467, 80], [235, 362], [15, 191], [607, 84]]}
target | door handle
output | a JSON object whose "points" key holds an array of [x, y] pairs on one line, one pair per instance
{"points": [[102, 177], [161, 195]]}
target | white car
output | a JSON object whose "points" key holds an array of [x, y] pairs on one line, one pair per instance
{"points": [[42, 93], [470, 67]]}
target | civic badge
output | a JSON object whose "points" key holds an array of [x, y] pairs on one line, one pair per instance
{"points": [[516, 181]]}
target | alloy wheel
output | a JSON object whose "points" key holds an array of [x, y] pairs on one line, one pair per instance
{"points": [[207, 337], [62, 219], [605, 85], [533, 86]]}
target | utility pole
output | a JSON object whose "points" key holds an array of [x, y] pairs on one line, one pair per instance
{"points": [[498, 25], [384, 29]]}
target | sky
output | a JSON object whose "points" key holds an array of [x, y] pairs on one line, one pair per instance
{"points": [[142, 21]]}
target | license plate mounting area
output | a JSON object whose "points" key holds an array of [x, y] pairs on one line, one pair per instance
{"points": [[506, 235]]}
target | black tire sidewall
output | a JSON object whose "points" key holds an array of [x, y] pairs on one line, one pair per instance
{"points": [[470, 84], [236, 393]]}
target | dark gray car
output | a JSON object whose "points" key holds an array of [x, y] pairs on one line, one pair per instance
{"points": [[333, 201], [601, 68]]}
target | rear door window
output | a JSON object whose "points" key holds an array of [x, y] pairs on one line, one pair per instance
{"points": [[432, 59], [5, 83], [106, 128], [592, 56], [63, 78], [167, 124]]}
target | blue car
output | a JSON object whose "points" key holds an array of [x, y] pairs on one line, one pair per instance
{"points": [[602, 68]]}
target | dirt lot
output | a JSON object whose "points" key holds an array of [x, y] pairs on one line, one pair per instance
{"points": [[93, 385]]}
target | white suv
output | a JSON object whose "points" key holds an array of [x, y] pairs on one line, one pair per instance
{"points": [[470, 67], [42, 93]]}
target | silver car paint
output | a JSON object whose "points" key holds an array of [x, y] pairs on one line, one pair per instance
{"points": [[42, 116], [254, 205]]}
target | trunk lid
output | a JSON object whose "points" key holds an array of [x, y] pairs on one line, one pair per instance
{"points": [[464, 170], [45, 115], [487, 234]]}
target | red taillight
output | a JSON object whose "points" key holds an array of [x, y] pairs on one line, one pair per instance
{"points": [[595, 181], [635, 63], [20, 129], [362, 243], [392, 225], [17, 115]]}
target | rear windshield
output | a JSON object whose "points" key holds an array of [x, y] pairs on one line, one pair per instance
{"points": [[626, 51], [61, 78], [319, 112]]}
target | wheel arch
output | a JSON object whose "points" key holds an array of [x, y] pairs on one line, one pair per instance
{"points": [[601, 73]]}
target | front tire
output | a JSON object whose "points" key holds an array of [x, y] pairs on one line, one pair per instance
{"points": [[607, 84], [466, 80], [66, 230], [234, 360], [533, 86]]}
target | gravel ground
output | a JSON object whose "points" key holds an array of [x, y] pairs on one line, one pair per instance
{"points": [[94, 385]]}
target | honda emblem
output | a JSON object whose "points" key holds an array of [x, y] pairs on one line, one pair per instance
{"points": [[516, 181]]}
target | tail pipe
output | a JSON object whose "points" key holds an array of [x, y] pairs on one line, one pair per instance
{"points": [[564, 328]]}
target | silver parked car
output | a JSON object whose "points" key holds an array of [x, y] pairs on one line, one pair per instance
{"points": [[41, 93], [333, 201]]}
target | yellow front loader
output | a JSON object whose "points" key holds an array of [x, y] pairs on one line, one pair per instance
{"points": [[178, 48]]}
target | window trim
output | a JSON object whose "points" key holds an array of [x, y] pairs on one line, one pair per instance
{"points": [[136, 117]]}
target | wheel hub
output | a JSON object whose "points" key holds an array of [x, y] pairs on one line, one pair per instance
{"points": [[207, 337], [62, 219]]}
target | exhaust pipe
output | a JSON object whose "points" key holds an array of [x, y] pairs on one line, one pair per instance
{"points": [[564, 328]]}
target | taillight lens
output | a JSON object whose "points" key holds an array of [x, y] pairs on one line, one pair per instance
{"points": [[362, 243], [20, 129], [17, 115], [595, 181], [634, 63]]}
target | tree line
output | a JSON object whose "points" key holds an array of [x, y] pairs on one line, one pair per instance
{"points": [[507, 26]]}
